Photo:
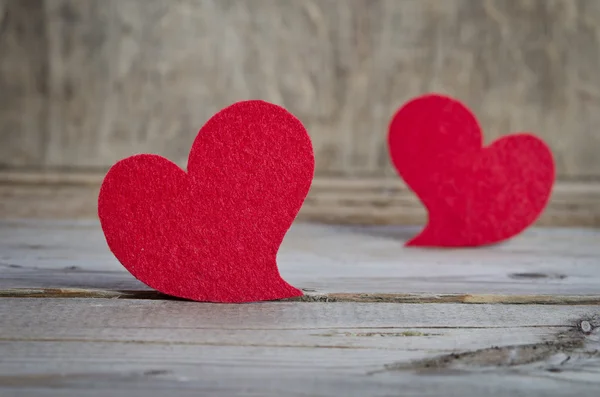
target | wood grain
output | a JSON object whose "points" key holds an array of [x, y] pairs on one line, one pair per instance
{"points": [[144, 75], [52, 195], [320, 349], [335, 262], [23, 82], [88, 337], [84, 83]]}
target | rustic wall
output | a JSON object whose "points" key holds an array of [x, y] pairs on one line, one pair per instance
{"points": [[23, 82], [84, 83]]}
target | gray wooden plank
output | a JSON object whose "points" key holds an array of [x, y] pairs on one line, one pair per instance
{"points": [[23, 82], [94, 368], [325, 259], [70, 346], [107, 313], [338, 200], [143, 75], [264, 374]]}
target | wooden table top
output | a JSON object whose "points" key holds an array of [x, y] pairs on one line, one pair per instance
{"points": [[378, 319]]}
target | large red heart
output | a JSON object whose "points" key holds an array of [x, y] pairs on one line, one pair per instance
{"points": [[474, 195], [212, 234]]}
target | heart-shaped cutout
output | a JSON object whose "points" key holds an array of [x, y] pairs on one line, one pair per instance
{"points": [[212, 233], [474, 195]]}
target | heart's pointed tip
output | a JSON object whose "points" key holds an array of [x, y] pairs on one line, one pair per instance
{"points": [[267, 289], [284, 290], [267, 293], [294, 293], [429, 238], [411, 243], [418, 242], [422, 239]]}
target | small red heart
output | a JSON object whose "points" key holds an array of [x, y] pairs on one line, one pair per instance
{"points": [[474, 195], [212, 234]]}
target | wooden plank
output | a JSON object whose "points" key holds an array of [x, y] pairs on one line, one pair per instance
{"points": [[318, 349], [389, 201], [108, 318], [154, 346], [96, 369], [333, 200], [23, 82], [340, 262], [144, 75]]}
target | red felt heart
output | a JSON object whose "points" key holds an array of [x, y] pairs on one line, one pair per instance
{"points": [[474, 195], [212, 234]]}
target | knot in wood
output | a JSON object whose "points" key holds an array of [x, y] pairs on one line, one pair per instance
{"points": [[585, 326]]}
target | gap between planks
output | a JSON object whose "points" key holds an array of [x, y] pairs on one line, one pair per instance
{"points": [[314, 297], [336, 200]]}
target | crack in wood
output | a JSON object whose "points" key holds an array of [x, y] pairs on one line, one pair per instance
{"points": [[533, 275], [403, 334], [452, 298], [316, 297], [577, 347], [81, 293], [62, 379], [186, 343]]}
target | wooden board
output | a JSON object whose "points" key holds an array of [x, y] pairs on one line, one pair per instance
{"points": [[339, 262], [54, 195], [144, 75], [377, 319], [23, 83], [84, 83], [89, 347]]}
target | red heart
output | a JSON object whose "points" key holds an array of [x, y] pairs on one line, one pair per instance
{"points": [[474, 195], [212, 234]]}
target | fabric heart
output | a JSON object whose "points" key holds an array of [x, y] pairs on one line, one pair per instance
{"points": [[212, 233], [474, 195]]}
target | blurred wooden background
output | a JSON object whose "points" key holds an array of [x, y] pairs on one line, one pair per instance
{"points": [[84, 83]]}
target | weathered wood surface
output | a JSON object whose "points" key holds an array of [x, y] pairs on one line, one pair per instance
{"points": [[145, 75], [53, 195], [351, 335], [23, 83], [93, 81], [343, 263], [74, 347], [84, 83]]}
